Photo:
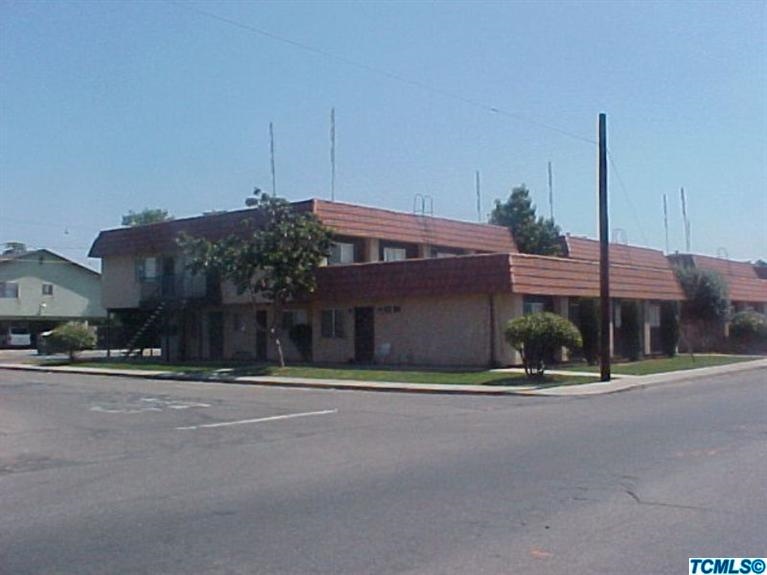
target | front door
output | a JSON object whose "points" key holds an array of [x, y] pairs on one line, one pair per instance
{"points": [[364, 334], [261, 335], [216, 334]]}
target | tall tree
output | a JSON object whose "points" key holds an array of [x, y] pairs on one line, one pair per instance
{"points": [[275, 260], [146, 216], [532, 234]]}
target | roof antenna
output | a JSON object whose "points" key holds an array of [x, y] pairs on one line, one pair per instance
{"points": [[332, 154], [665, 218], [271, 156], [479, 197], [686, 222], [620, 236], [551, 193]]}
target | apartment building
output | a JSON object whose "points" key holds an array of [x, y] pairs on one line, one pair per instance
{"points": [[398, 288]]}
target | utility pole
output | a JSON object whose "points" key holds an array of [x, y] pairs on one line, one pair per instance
{"points": [[604, 255]]}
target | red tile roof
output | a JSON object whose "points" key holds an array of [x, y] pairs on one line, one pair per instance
{"points": [[361, 221], [742, 279], [487, 273], [492, 273], [345, 219], [544, 275], [587, 249]]}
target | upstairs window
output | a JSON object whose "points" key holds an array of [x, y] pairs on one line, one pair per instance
{"points": [[47, 289], [341, 253], [146, 269], [394, 254], [9, 290]]}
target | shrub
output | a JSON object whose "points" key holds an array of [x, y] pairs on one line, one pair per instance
{"points": [[537, 336], [748, 330], [705, 309], [72, 337], [588, 320], [301, 336], [669, 327], [632, 344]]}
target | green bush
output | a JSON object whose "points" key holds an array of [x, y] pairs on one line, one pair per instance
{"points": [[72, 337], [748, 330], [588, 322], [632, 343], [669, 327], [706, 292], [537, 336]]}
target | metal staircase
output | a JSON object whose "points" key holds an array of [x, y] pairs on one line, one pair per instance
{"points": [[133, 348]]}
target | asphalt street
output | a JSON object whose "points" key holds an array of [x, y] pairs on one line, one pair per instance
{"points": [[106, 475]]}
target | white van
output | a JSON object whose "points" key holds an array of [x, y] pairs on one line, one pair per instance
{"points": [[16, 337]]}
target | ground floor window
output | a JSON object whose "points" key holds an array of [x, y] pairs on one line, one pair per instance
{"points": [[332, 321]]}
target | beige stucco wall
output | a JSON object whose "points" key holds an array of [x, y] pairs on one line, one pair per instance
{"points": [[241, 343], [426, 331], [76, 291], [119, 288]]}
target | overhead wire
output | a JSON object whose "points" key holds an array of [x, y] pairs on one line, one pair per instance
{"points": [[382, 72]]}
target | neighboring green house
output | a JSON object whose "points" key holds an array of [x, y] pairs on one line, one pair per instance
{"points": [[40, 289]]}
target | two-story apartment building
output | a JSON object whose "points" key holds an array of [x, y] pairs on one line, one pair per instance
{"points": [[40, 289], [398, 288]]}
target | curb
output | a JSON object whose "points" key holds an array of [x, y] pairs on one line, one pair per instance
{"points": [[351, 385], [617, 385]]}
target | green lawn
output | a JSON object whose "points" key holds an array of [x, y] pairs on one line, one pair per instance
{"points": [[454, 377], [662, 365]]}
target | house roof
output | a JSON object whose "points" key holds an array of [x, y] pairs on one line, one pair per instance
{"points": [[493, 273], [588, 249], [486, 273], [344, 219], [31, 254], [545, 275], [743, 280], [362, 221]]}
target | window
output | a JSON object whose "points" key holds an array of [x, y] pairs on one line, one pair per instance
{"points": [[293, 317], [332, 323], [534, 307], [146, 269], [47, 289], [394, 254], [9, 290], [341, 253], [238, 324]]}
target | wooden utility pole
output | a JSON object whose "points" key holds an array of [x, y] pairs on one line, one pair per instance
{"points": [[604, 255]]}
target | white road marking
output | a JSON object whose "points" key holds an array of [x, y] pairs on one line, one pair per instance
{"points": [[260, 419]]}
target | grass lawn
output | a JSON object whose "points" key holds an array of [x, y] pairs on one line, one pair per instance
{"points": [[662, 365], [454, 377]]}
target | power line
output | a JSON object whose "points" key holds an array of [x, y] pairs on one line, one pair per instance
{"points": [[381, 72], [627, 197]]}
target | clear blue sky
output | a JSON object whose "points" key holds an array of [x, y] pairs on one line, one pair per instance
{"points": [[108, 106]]}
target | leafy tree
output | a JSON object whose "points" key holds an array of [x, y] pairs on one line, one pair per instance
{"points": [[14, 248], [706, 306], [276, 260], [533, 235], [146, 216], [748, 330], [537, 336], [72, 337]]}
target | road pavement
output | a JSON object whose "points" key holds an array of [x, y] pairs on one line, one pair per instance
{"points": [[120, 475]]}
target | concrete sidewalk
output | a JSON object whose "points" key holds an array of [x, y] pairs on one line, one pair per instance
{"points": [[619, 383]]}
